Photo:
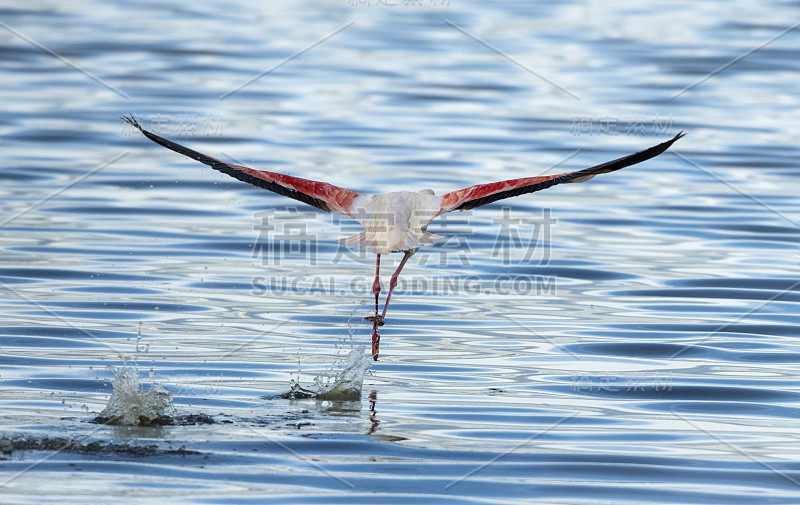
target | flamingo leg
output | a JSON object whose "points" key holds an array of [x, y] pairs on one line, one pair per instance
{"points": [[376, 320], [376, 286], [393, 283], [379, 320]]}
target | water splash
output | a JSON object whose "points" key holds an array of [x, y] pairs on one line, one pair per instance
{"points": [[342, 383], [131, 404], [345, 384]]}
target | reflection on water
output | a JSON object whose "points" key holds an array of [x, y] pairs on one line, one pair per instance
{"points": [[632, 338]]}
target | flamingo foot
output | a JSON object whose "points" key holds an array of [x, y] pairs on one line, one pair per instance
{"points": [[376, 341], [378, 320]]}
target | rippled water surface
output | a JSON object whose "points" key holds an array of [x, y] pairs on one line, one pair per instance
{"points": [[632, 339]]}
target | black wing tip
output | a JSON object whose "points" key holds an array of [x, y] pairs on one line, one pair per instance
{"points": [[132, 121], [667, 144]]}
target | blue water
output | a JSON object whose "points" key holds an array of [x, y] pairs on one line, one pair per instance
{"points": [[632, 339]]}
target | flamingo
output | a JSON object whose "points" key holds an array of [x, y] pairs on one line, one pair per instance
{"points": [[395, 221]]}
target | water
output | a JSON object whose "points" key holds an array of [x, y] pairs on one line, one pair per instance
{"points": [[632, 339]]}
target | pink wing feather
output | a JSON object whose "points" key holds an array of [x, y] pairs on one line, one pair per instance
{"points": [[318, 194]]}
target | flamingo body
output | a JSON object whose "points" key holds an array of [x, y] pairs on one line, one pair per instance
{"points": [[394, 222]]}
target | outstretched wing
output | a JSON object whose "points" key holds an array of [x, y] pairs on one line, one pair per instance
{"points": [[475, 196], [317, 194]]}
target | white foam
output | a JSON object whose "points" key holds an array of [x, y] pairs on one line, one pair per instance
{"points": [[131, 404], [345, 384]]}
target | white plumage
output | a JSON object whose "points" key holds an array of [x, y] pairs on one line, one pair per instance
{"points": [[394, 222]]}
